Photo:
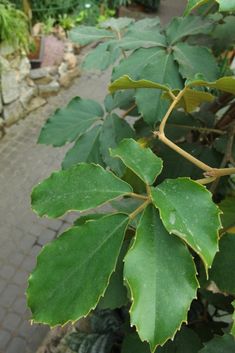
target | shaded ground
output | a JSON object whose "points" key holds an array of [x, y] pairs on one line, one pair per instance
{"points": [[23, 164]]}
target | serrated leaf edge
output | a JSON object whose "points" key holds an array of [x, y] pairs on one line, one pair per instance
{"points": [[112, 154], [179, 234], [132, 299], [74, 210], [35, 321]]}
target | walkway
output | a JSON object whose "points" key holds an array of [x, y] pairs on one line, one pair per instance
{"points": [[23, 164]]}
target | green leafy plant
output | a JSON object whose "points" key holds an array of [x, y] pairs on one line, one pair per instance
{"points": [[162, 256], [14, 26]]}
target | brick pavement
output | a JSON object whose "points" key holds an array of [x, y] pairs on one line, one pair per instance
{"points": [[23, 164]]}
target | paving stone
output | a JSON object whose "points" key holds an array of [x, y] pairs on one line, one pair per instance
{"points": [[7, 271], [9, 295], [46, 236], [2, 314], [17, 345], [16, 259], [11, 321], [4, 339], [3, 284], [20, 305], [21, 277]]}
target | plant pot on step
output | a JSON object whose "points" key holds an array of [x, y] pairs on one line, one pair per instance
{"points": [[36, 54]]}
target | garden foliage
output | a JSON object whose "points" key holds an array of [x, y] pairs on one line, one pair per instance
{"points": [[165, 249]]}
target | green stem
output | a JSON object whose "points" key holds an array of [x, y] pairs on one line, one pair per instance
{"points": [[137, 196], [139, 209]]}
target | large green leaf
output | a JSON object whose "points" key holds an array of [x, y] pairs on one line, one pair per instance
{"points": [[80, 188], [142, 161], [85, 34], [149, 101], [162, 278], [139, 38], [153, 64], [183, 204], [224, 5], [86, 149], [68, 123], [114, 130], [219, 344], [117, 24], [223, 268], [181, 27], [194, 60], [101, 57], [226, 84], [73, 271]]}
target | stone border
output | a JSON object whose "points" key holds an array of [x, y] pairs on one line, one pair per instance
{"points": [[24, 89]]}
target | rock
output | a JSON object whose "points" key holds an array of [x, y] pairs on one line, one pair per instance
{"points": [[36, 74], [37, 29], [27, 93], [13, 112], [66, 79], [63, 68], [71, 60], [59, 32], [24, 68], [10, 87], [4, 64], [44, 80], [35, 103], [76, 49], [52, 70], [68, 47], [49, 90], [2, 123]]}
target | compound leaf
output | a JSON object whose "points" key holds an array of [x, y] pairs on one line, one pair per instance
{"points": [[70, 122], [181, 27], [86, 149], [219, 344], [101, 57], [194, 60], [178, 201], [223, 268], [142, 161], [88, 34], [59, 289], [80, 188], [117, 24], [156, 266]]}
